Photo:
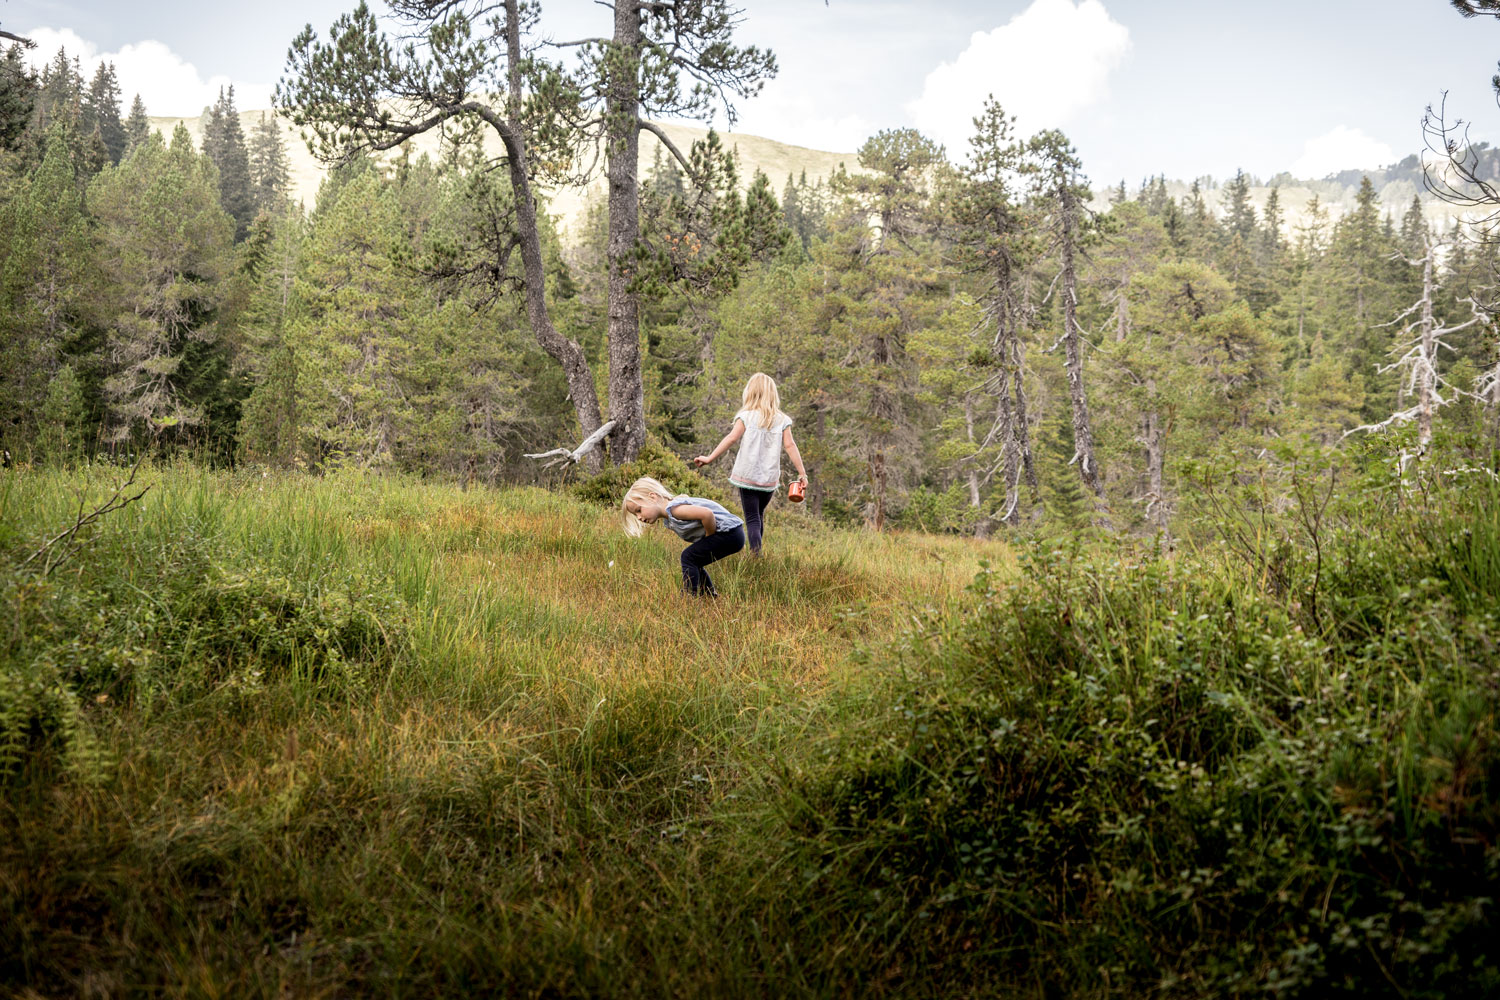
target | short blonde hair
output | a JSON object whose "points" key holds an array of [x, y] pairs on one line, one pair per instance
{"points": [[761, 396], [641, 491]]}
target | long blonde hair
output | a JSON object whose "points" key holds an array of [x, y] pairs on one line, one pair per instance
{"points": [[761, 396], [643, 490]]}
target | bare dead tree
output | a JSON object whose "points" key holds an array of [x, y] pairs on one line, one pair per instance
{"points": [[1476, 8], [1452, 165], [1421, 340]]}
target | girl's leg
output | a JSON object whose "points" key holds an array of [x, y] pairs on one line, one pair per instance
{"points": [[753, 503], [708, 549]]}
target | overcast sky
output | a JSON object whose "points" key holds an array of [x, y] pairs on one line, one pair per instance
{"points": [[1141, 86]]}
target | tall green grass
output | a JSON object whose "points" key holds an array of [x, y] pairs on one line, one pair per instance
{"points": [[367, 735], [370, 735]]}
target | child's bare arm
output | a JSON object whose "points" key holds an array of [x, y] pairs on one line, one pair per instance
{"points": [[793, 453], [737, 432], [692, 512]]}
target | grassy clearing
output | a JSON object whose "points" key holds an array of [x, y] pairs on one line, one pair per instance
{"points": [[371, 736], [374, 735]]}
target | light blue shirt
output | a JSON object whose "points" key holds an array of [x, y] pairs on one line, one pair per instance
{"points": [[691, 531]]}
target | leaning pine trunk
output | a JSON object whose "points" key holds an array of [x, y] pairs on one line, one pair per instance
{"points": [[561, 349]]}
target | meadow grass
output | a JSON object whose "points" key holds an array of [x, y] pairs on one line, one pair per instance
{"points": [[365, 734]]}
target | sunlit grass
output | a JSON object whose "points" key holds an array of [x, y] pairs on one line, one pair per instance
{"points": [[538, 767]]}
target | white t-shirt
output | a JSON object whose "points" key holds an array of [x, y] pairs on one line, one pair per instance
{"points": [[758, 465]]}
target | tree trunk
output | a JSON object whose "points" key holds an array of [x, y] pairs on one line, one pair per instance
{"points": [[1083, 434], [566, 352], [626, 388], [1154, 437], [1425, 375]]}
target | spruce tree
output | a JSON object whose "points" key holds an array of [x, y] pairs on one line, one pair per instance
{"points": [[101, 111], [45, 263], [137, 126], [166, 250], [269, 169], [18, 87], [58, 95], [224, 145], [1239, 215]]}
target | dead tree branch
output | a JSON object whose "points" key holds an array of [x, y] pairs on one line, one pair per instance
{"points": [[56, 550], [566, 457]]}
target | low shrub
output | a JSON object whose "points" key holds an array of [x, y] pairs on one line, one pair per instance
{"points": [[608, 487], [1151, 775]]}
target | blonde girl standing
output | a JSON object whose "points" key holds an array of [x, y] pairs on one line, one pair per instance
{"points": [[765, 431]]}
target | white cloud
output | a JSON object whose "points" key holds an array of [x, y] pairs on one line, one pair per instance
{"points": [[1050, 62], [794, 118], [169, 85], [1343, 148]]}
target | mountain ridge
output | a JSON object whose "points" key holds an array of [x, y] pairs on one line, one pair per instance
{"points": [[1395, 184]]}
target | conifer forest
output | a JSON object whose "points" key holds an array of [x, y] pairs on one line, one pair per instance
{"points": [[1138, 637]]}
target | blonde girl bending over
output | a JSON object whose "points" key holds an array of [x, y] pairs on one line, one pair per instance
{"points": [[765, 432], [710, 531]]}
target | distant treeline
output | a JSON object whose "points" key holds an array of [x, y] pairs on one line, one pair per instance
{"points": [[919, 316]]}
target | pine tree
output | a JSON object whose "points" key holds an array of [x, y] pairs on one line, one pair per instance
{"points": [[1362, 298], [165, 252], [18, 94], [269, 170], [1239, 216], [340, 90], [224, 145], [63, 419], [356, 332], [1415, 233], [101, 111], [45, 258], [1326, 399], [1058, 184], [59, 94], [137, 126], [993, 239], [884, 252]]}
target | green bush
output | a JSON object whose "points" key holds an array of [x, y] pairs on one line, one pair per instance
{"points": [[1133, 774], [608, 487], [152, 619]]}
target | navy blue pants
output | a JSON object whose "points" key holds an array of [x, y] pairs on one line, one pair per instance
{"points": [[754, 503], [708, 549]]}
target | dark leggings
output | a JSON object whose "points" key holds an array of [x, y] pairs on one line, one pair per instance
{"points": [[754, 503], [708, 549]]}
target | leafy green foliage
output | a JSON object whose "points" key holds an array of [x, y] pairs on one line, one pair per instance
{"points": [[655, 460], [1185, 776]]}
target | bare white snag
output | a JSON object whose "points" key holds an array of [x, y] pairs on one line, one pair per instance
{"points": [[566, 457], [1421, 339]]}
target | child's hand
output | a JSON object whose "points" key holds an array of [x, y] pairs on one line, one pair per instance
{"points": [[702, 460]]}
